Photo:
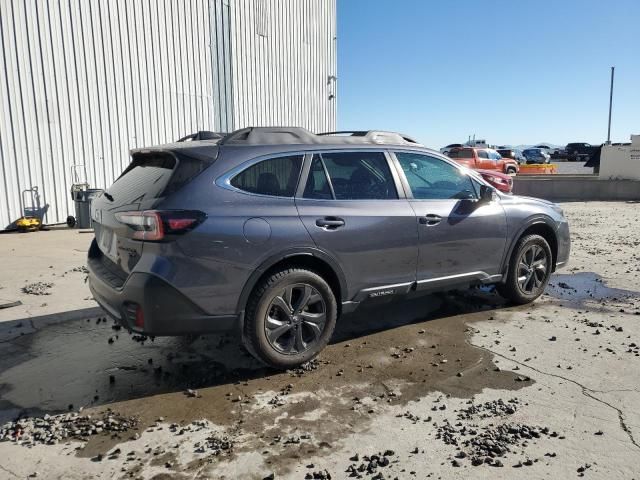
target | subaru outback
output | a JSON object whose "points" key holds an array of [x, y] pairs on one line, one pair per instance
{"points": [[277, 232]]}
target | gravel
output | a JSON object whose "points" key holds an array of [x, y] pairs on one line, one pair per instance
{"points": [[52, 429], [37, 288]]}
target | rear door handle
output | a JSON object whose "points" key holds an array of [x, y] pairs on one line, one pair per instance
{"points": [[330, 223], [430, 219]]}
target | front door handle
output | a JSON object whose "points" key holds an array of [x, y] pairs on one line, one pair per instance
{"points": [[330, 223], [430, 219]]}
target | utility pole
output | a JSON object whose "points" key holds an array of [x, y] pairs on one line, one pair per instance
{"points": [[610, 105]]}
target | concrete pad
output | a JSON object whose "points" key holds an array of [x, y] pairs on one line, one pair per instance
{"points": [[395, 378], [50, 257]]}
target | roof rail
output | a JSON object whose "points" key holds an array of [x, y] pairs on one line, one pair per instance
{"points": [[298, 135], [268, 136], [202, 135], [375, 136]]}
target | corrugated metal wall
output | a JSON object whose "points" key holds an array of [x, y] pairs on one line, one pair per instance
{"points": [[82, 82], [284, 63]]}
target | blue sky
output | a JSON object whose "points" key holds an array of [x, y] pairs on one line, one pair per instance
{"points": [[512, 72]]}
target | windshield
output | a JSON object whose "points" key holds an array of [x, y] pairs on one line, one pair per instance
{"points": [[533, 152]]}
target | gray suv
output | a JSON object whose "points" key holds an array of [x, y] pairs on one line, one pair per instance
{"points": [[276, 232]]}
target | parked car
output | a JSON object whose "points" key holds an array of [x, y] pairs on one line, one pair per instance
{"points": [[512, 153], [447, 149], [536, 155], [544, 147], [501, 181], [559, 153], [483, 159], [277, 232], [579, 151]]}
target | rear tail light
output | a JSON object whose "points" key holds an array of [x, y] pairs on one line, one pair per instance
{"points": [[155, 225], [139, 317]]}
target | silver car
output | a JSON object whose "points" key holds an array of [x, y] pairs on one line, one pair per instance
{"points": [[277, 232]]}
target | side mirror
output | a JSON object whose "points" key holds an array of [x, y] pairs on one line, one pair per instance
{"points": [[486, 193]]}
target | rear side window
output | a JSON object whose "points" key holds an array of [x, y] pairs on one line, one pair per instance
{"points": [[358, 175], [461, 154], [483, 154], [277, 177]]}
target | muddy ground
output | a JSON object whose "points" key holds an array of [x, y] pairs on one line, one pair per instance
{"points": [[440, 386]]}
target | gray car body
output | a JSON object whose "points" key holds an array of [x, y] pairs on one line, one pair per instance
{"points": [[384, 248]]}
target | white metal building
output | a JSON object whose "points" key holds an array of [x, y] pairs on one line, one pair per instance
{"points": [[82, 82]]}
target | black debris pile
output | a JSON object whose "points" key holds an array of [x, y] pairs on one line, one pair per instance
{"points": [[494, 408], [278, 400], [371, 466], [37, 288], [318, 475], [80, 269], [215, 445], [52, 429], [309, 366], [487, 445]]}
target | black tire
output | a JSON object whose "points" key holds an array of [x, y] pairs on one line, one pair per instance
{"points": [[71, 221], [276, 303], [511, 171], [536, 277]]}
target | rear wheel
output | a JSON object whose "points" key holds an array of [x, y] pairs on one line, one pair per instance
{"points": [[511, 171], [290, 318], [529, 270]]}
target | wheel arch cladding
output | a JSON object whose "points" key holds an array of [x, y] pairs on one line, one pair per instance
{"points": [[308, 261]]}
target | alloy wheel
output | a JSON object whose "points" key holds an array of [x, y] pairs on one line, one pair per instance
{"points": [[532, 269], [295, 319]]}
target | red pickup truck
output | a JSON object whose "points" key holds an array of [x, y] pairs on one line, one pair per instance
{"points": [[483, 159]]}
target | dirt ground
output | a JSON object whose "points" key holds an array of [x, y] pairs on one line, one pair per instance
{"points": [[456, 385]]}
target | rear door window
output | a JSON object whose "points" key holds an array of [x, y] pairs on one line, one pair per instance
{"points": [[357, 175], [483, 154], [317, 182], [277, 177], [465, 153], [430, 178]]}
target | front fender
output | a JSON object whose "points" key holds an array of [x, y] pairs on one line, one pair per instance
{"points": [[538, 219]]}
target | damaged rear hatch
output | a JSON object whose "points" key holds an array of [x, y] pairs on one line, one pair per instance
{"points": [[126, 215]]}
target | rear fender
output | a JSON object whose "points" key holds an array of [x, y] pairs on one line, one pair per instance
{"points": [[289, 254]]}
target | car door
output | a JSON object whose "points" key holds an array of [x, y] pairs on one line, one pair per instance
{"points": [[485, 162], [498, 161], [460, 238], [352, 205]]}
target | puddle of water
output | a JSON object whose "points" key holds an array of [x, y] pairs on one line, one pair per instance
{"points": [[69, 365], [585, 286]]}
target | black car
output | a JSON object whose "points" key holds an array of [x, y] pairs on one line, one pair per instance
{"points": [[579, 151]]}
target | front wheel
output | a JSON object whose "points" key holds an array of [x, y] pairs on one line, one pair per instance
{"points": [[290, 318], [529, 270]]}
